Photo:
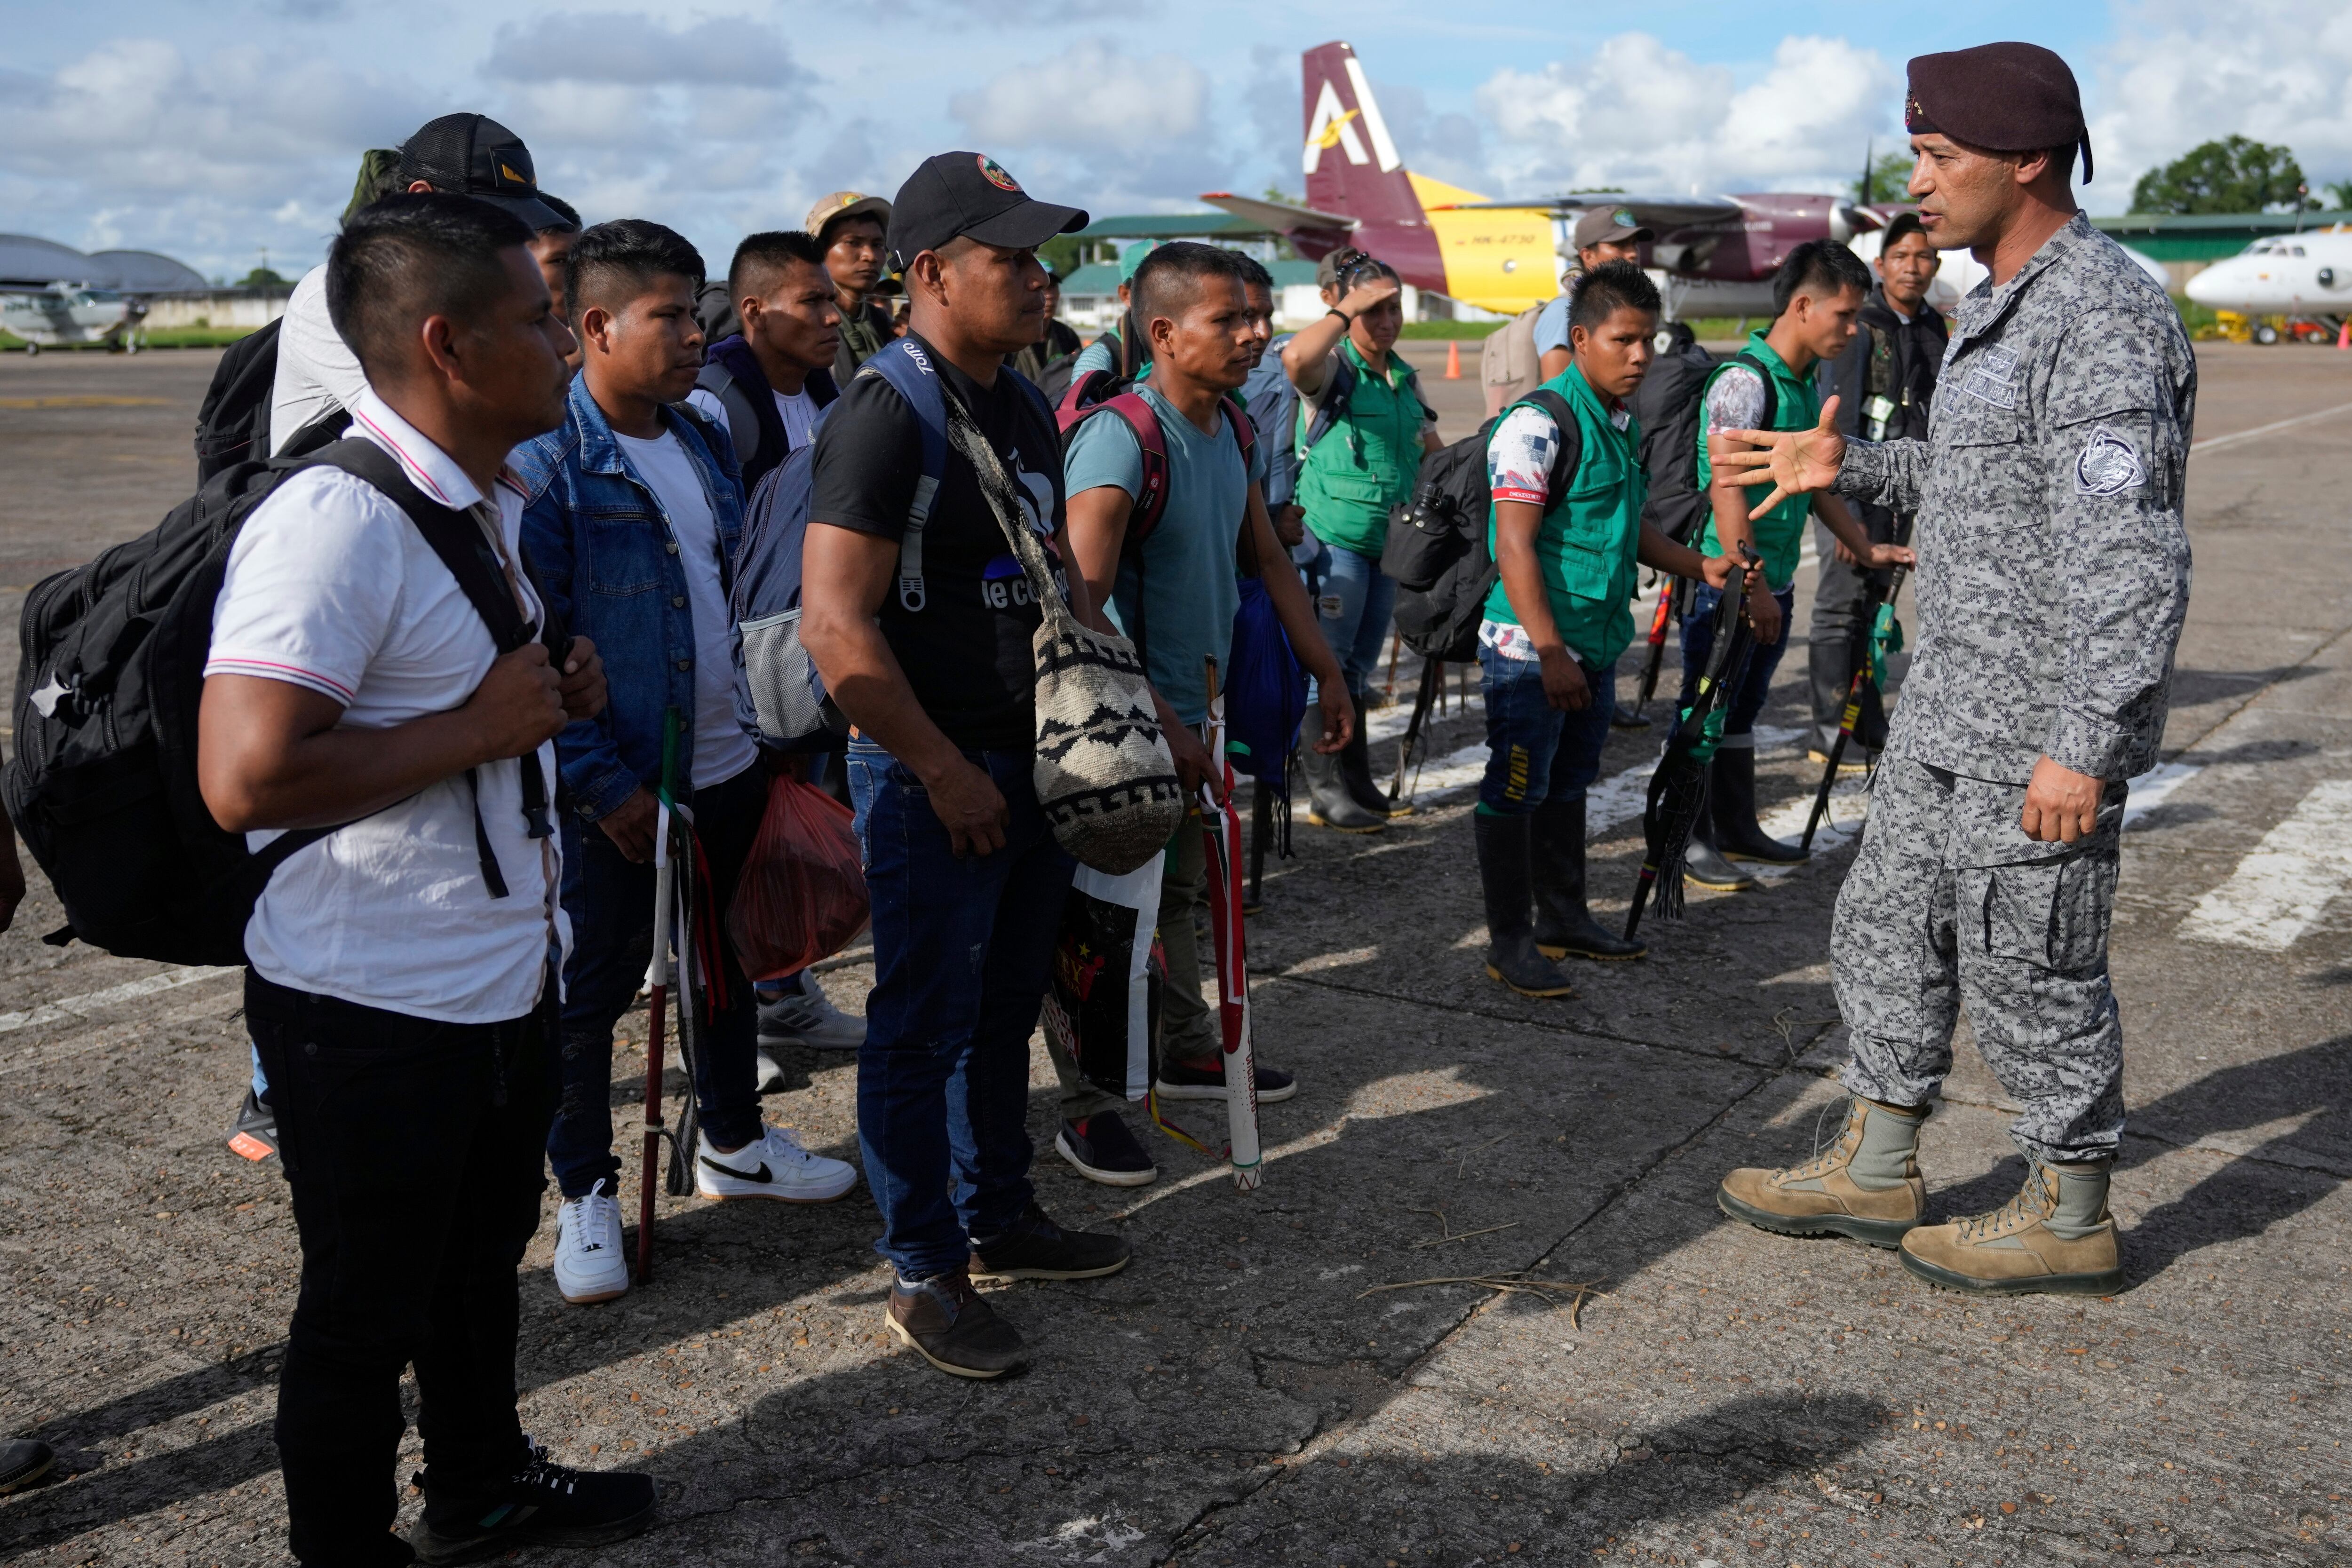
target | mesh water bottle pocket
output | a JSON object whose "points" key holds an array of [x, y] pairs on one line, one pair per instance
{"points": [[781, 679]]}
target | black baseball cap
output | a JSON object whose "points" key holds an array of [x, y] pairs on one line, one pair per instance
{"points": [[958, 193], [474, 155]]}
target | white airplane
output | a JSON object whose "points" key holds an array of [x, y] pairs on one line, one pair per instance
{"points": [[2307, 274], [66, 313]]}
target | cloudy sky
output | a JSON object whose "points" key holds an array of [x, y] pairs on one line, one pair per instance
{"points": [[213, 130]]}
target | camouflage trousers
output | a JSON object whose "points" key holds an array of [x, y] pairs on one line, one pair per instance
{"points": [[1949, 904]]}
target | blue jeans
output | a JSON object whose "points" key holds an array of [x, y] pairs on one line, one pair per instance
{"points": [[1747, 691], [963, 949], [1353, 600], [611, 902], [1536, 753]]}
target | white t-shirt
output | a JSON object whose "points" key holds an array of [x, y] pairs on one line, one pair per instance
{"points": [[721, 749], [330, 586], [798, 412], [316, 369]]}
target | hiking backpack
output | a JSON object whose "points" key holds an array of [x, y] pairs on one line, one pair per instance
{"points": [[102, 787], [729, 374], [790, 709], [1508, 366], [233, 422], [1670, 403], [1437, 548]]}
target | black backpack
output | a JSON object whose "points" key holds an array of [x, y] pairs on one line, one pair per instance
{"points": [[714, 312], [1670, 404], [1436, 547], [233, 422], [102, 787]]}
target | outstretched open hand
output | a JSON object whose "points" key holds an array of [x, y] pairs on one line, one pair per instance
{"points": [[1797, 462]]}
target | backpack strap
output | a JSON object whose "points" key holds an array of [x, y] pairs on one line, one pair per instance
{"points": [[1568, 452], [902, 362], [459, 541], [1764, 374], [732, 375], [1244, 428], [1332, 407]]}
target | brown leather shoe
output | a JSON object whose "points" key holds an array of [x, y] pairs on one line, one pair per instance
{"points": [[1824, 1197], [2055, 1236], [951, 1326]]}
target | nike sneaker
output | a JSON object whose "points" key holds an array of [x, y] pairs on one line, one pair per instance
{"points": [[772, 1166]]}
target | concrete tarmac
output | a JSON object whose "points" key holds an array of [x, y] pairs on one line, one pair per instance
{"points": [[1251, 1390]]}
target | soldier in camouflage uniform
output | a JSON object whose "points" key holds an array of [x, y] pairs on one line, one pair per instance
{"points": [[2053, 581]]}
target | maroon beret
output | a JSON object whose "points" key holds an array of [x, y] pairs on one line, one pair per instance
{"points": [[2005, 98]]}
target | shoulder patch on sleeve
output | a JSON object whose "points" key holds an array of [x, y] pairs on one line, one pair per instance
{"points": [[2109, 464]]}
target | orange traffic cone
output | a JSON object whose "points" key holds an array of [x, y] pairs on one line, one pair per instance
{"points": [[1452, 359], [2343, 334]]}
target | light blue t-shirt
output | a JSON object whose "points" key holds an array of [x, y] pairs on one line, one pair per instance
{"points": [[1552, 323], [1095, 356], [1187, 589]]}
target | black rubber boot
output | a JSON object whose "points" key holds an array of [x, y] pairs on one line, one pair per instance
{"points": [[1329, 805], [1356, 769], [1703, 867], [1731, 798], [1564, 925], [1512, 956]]}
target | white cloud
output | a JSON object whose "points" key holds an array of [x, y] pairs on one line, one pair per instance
{"points": [[628, 47], [1638, 113], [2180, 74], [1089, 95]]}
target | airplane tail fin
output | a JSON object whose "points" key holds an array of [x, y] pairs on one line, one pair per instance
{"points": [[1351, 164]]}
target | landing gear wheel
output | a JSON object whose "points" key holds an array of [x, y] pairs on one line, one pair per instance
{"points": [[2266, 334], [31, 349]]}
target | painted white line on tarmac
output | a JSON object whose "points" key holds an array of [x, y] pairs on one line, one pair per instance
{"points": [[81, 1006], [2154, 786], [2213, 443], [2283, 883]]}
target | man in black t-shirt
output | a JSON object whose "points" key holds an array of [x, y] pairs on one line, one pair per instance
{"points": [[966, 879]]}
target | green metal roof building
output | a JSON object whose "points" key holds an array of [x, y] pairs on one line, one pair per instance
{"points": [[2206, 237]]}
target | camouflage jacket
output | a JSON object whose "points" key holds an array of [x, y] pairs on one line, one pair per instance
{"points": [[2053, 559]]}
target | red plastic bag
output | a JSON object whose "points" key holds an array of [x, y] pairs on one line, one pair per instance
{"points": [[802, 893]]}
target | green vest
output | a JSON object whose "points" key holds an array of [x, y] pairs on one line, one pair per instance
{"points": [[1588, 541], [1366, 463], [1779, 533]]}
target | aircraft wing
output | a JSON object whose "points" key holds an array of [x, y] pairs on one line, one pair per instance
{"points": [[1660, 212], [1280, 217]]}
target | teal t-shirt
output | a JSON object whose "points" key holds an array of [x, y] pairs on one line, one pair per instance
{"points": [[1095, 356], [1185, 590]]}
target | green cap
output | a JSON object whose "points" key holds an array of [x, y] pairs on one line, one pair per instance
{"points": [[1132, 259]]}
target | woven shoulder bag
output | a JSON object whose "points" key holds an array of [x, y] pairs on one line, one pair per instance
{"points": [[1103, 774]]}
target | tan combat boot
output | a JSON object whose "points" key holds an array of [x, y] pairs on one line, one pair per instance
{"points": [[1865, 1185], [2056, 1236]]}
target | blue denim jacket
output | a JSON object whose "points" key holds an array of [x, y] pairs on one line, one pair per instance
{"points": [[602, 552]]}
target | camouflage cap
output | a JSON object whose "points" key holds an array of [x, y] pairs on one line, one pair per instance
{"points": [[842, 205]]}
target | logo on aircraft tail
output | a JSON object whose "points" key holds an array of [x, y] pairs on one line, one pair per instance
{"points": [[1331, 126]]}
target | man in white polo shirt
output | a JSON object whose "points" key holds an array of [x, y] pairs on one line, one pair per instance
{"points": [[401, 965]]}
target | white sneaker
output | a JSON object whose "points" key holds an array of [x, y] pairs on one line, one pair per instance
{"points": [[589, 1264], [771, 1076], [801, 1014], [775, 1166]]}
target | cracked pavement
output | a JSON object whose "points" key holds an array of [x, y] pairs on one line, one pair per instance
{"points": [[1242, 1395]]}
